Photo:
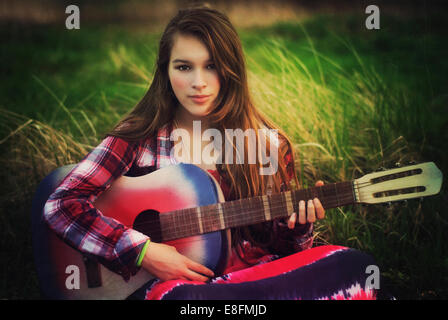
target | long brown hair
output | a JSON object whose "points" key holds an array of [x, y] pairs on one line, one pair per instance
{"points": [[233, 108]]}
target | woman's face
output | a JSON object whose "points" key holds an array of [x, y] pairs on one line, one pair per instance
{"points": [[193, 75]]}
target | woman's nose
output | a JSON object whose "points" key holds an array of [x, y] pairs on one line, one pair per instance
{"points": [[198, 80]]}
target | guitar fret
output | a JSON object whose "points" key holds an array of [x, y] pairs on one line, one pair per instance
{"points": [[198, 211], [239, 218], [337, 194], [266, 207], [180, 221], [227, 212], [327, 196], [221, 216], [258, 207], [295, 203], [186, 220], [288, 203], [313, 193], [210, 220], [297, 195], [174, 224]]}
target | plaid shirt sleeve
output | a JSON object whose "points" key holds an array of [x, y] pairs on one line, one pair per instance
{"points": [[70, 213]]}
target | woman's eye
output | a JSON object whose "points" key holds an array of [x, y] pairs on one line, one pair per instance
{"points": [[182, 67], [186, 67]]}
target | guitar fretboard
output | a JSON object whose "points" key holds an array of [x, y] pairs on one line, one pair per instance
{"points": [[193, 221]]}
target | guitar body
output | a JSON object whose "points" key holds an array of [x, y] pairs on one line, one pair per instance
{"points": [[135, 202]]}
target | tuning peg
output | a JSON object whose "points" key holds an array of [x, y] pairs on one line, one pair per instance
{"points": [[388, 205], [380, 169], [412, 162], [397, 165]]}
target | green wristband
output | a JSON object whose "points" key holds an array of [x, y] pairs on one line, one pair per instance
{"points": [[142, 253]]}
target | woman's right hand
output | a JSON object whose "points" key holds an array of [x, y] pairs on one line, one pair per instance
{"points": [[164, 262]]}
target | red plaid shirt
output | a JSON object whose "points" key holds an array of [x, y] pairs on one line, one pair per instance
{"points": [[70, 213]]}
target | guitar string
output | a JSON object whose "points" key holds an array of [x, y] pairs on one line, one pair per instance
{"points": [[184, 229], [274, 205], [209, 220], [356, 187], [213, 212]]}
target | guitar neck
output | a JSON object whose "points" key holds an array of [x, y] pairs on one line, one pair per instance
{"points": [[193, 221]]}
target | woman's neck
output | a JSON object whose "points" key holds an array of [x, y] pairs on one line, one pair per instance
{"points": [[185, 120]]}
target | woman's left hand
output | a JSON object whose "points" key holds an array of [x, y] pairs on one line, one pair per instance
{"points": [[308, 212]]}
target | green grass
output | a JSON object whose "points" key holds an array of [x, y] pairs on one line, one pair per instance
{"points": [[351, 100]]}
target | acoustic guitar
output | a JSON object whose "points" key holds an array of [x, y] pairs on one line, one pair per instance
{"points": [[182, 205]]}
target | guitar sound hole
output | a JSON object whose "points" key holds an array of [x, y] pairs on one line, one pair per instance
{"points": [[148, 222]]}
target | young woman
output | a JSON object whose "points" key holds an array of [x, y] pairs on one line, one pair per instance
{"points": [[200, 77]]}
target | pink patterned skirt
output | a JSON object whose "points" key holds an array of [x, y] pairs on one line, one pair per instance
{"points": [[320, 273]]}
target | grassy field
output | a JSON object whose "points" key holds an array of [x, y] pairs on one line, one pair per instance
{"points": [[352, 100]]}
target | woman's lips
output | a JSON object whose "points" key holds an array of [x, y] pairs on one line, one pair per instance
{"points": [[200, 98]]}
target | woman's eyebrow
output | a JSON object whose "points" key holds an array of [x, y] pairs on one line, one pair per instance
{"points": [[186, 61]]}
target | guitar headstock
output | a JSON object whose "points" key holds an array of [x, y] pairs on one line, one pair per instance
{"points": [[408, 182]]}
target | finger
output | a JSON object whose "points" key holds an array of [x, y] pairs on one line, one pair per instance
{"points": [[292, 220], [193, 265], [302, 212], [310, 213], [320, 211], [319, 183], [191, 275]]}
